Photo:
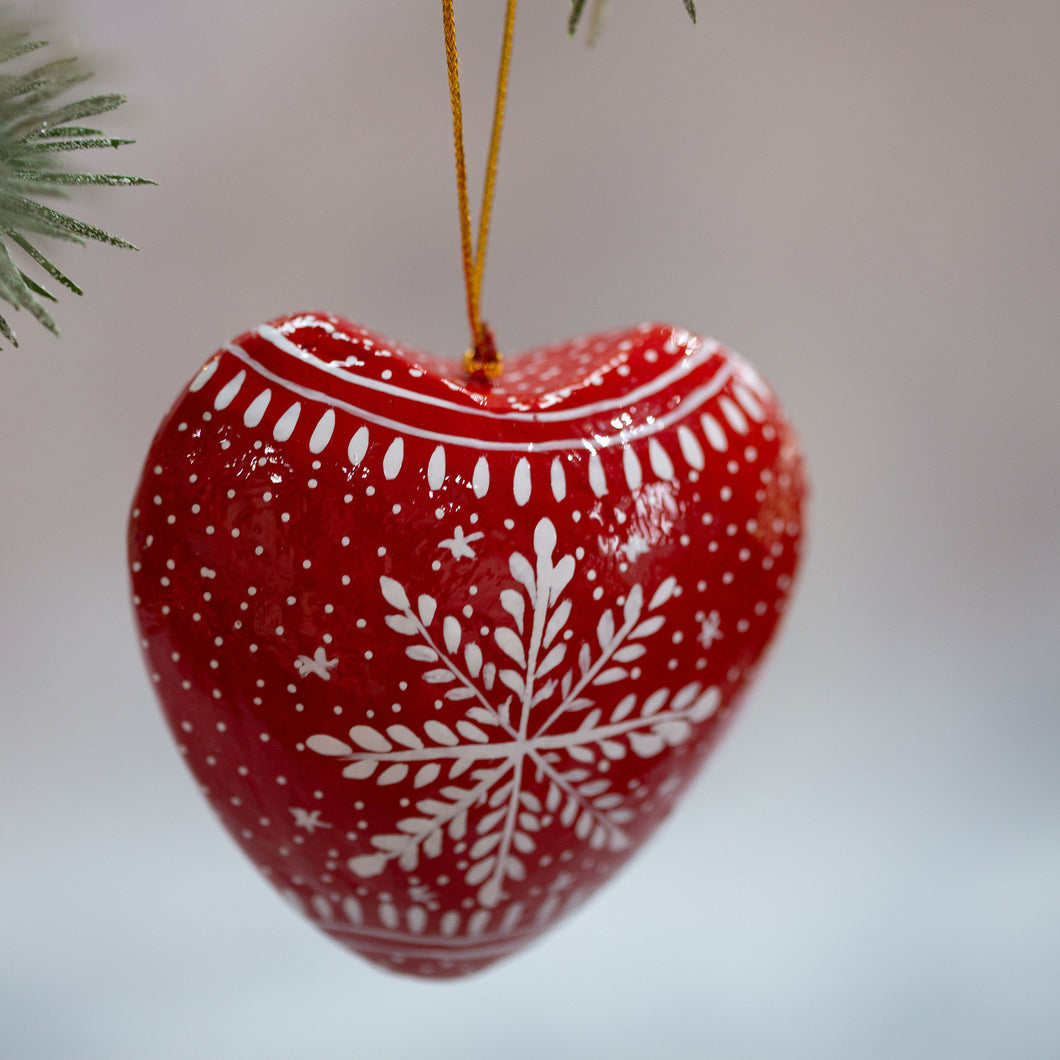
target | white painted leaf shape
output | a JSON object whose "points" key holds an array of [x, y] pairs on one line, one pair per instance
{"points": [[655, 702], [471, 731], [593, 788], [544, 538], [515, 605], [523, 573], [432, 845], [402, 624], [631, 609], [454, 695], [394, 593], [509, 643], [523, 843], [561, 576], [440, 733], [585, 658], [327, 745], [645, 744], [629, 652], [674, 731], [421, 653], [514, 680], [393, 774], [706, 705], [360, 770], [473, 658], [426, 774], [426, 605], [605, 629], [489, 894], [485, 845], [403, 735], [584, 825], [663, 593], [491, 820], [556, 622], [552, 660], [685, 696], [367, 865], [451, 634], [648, 627], [440, 676], [367, 737]]}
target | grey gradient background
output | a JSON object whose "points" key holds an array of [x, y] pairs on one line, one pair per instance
{"points": [[864, 199]]}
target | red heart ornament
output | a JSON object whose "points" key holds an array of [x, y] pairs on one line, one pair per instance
{"points": [[441, 656]]}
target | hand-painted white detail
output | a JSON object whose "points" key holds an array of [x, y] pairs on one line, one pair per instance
{"points": [[714, 432], [319, 664], [698, 353], [256, 409], [286, 423], [689, 404], [308, 819], [480, 477], [710, 629], [436, 468], [228, 392], [660, 460], [521, 486], [353, 910], [518, 765], [204, 375], [749, 402], [691, 450], [597, 478], [358, 446], [460, 543], [322, 432], [395, 454], [737, 420], [558, 479], [631, 466]]}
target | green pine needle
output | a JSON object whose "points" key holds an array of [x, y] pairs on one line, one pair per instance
{"points": [[577, 8], [35, 140]]}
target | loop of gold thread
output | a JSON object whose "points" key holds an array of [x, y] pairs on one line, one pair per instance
{"points": [[482, 360], [495, 145]]}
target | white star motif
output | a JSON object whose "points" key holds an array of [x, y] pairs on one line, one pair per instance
{"points": [[460, 543], [710, 629], [308, 819], [319, 664]]}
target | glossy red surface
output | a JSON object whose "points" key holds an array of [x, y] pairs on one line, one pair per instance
{"points": [[442, 656]]}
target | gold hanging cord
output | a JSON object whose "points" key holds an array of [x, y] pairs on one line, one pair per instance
{"points": [[482, 361]]}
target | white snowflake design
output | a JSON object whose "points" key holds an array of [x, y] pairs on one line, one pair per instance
{"points": [[507, 741]]}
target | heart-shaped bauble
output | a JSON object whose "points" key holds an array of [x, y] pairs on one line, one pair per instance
{"points": [[442, 655]]}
